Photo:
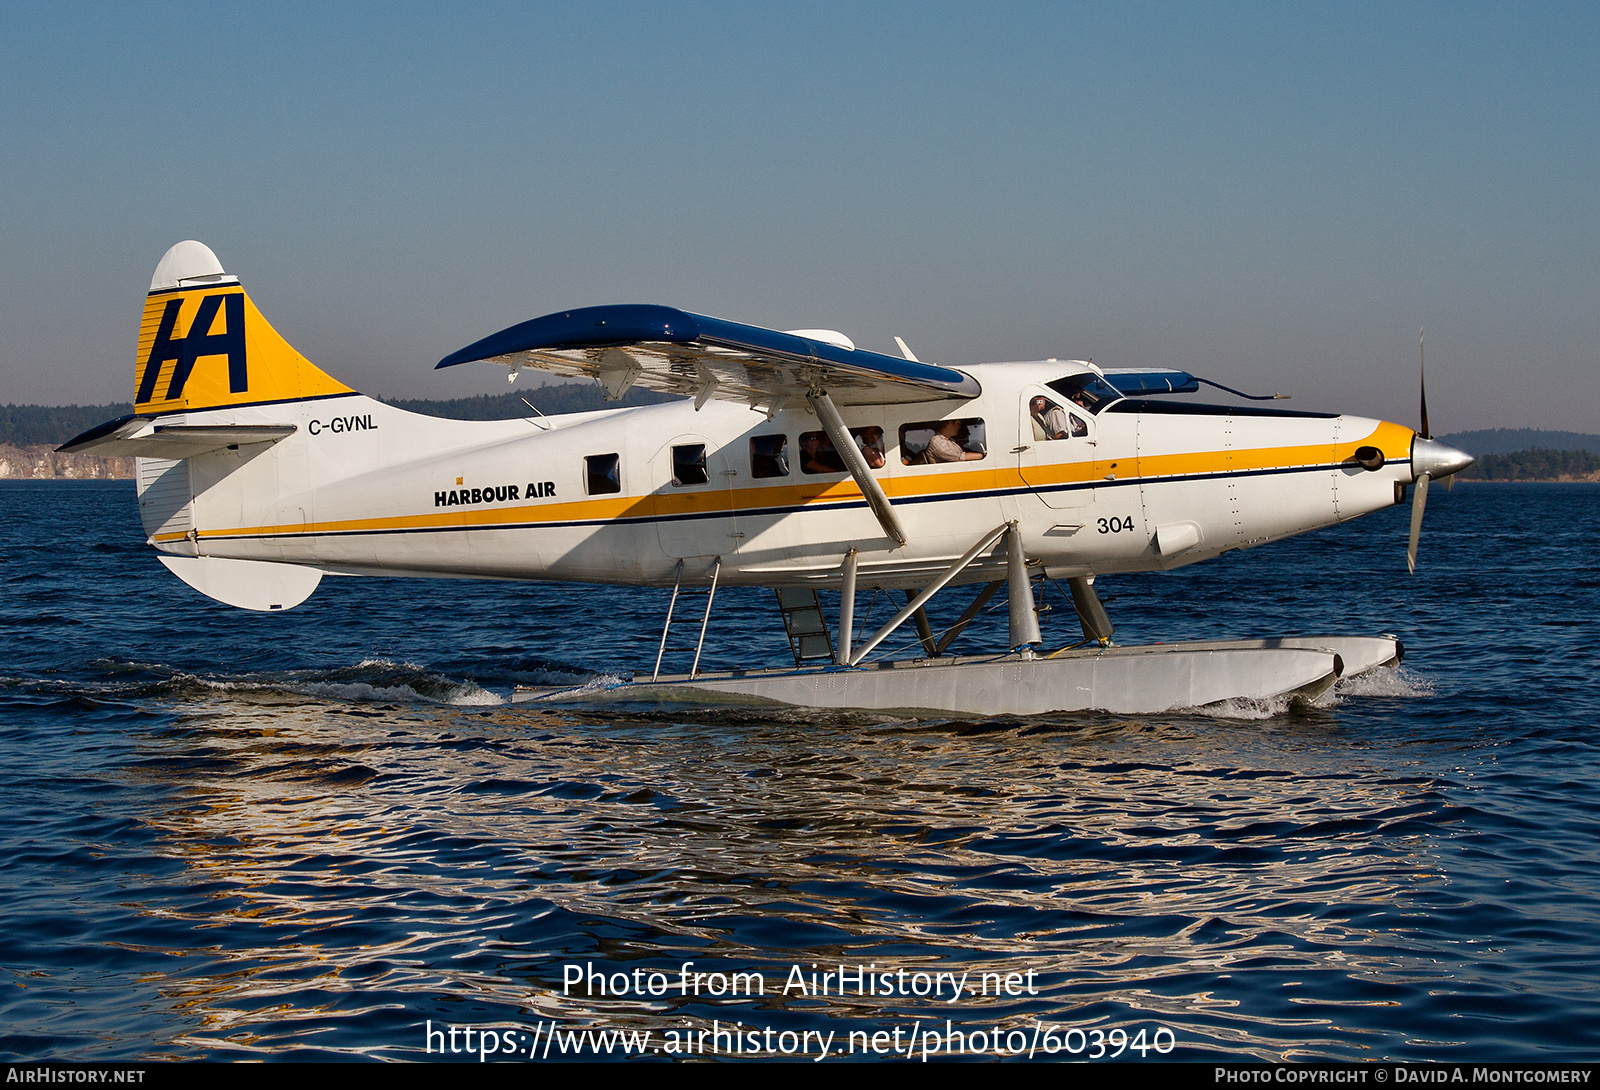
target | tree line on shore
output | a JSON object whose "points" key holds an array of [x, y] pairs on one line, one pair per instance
{"points": [[1535, 464]]}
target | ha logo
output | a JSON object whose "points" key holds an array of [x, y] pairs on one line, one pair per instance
{"points": [[198, 343]]}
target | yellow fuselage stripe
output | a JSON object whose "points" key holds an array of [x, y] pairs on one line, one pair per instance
{"points": [[951, 484]]}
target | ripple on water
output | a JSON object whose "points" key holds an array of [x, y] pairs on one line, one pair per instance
{"points": [[348, 833]]}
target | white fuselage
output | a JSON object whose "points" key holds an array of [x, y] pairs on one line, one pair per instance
{"points": [[365, 488]]}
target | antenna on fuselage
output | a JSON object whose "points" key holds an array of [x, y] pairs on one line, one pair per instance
{"points": [[535, 408], [1274, 396]]}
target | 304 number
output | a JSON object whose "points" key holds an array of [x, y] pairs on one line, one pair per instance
{"points": [[1116, 524]]}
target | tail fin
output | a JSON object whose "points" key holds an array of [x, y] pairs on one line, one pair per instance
{"points": [[204, 345]]}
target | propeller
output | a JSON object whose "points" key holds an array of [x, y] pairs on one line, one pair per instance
{"points": [[1419, 499], [1429, 458]]}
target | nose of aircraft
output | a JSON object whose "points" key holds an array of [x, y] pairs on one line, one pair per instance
{"points": [[1437, 459]]}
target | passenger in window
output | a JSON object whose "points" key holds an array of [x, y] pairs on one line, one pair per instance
{"points": [[930, 442], [817, 454], [945, 446], [1079, 428], [971, 437], [870, 440], [1049, 419]]}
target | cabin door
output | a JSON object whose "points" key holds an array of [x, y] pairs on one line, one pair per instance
{"points": [[1056, 450], [695, 498]]}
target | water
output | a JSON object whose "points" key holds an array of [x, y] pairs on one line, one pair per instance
{"points": [[322, 833]]}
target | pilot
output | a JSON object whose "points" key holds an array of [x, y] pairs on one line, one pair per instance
{"points": [[1049, 420]]}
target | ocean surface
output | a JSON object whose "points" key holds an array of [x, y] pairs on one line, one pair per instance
{"points": [[327, 834]]}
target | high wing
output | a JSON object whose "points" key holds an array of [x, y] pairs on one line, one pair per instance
{"points": [[691, 355], [1143, 381]]}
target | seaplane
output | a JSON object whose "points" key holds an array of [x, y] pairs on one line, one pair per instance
{"points": [[790, 460]]}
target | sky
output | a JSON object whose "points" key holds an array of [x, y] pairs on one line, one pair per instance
{"points": [[1275, 196]]}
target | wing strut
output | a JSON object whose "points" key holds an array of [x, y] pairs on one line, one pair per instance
{"points": [[833, 424]]}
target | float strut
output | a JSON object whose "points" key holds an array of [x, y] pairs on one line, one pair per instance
{"points": [[1019, 592], [966, 616], [924, 629], [933, 588], [677, 581], [847, 609], [1091, 614], [716, 570]]}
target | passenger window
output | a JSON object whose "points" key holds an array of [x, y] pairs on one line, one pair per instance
{"points": [[769, 456], [934, 441], [689, 464], [817, 454], [602, 474], [870, 440]]}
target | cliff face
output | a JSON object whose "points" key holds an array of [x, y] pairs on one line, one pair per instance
{"points": [[43, 463]]}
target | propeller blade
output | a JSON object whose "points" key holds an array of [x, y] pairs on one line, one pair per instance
{"points": [[1422, 377], [1418, 502]]}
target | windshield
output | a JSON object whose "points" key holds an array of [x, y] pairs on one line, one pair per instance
{"points": [[1088, 391]]}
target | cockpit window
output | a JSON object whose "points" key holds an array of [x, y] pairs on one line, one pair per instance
{"points": [[1050, 421], [1089, 391]]}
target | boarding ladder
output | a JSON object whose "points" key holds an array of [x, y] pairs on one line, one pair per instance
{"points": [[809, 638]]}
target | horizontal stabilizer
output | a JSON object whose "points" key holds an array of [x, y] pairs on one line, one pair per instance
{"points": [[246, 584], [690, 355], [141, 437]]}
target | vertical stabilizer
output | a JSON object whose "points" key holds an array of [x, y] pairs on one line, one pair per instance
{"points": [[204, 345]]}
